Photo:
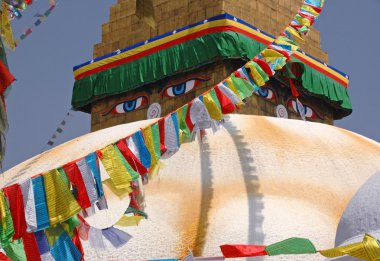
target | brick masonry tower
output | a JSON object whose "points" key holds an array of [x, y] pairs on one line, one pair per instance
{"points": [[126, 28], [144, 38]]}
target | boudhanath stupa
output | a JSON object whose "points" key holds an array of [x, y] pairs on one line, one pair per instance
{"points": [[276, 168]]}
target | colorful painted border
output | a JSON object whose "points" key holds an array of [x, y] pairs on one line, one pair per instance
{"points": [[220, 23]]}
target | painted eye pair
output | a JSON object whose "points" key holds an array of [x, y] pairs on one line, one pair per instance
{"points": [[309, 112], [270, 94], [170, 91]]}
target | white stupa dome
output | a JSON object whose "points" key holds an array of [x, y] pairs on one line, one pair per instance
{"points": [[361, 215], [259, 180]]}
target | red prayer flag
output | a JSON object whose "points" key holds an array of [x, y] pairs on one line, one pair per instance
{"points": [[189, 123], [283, 52], [225, 103], [16, 206], [6, 78], [77, 243], [130, 157], [316, 8], [266, 68], [161, 127], [3, 257], [234, 251], [83, 228], [75, 177], [30, 246]]}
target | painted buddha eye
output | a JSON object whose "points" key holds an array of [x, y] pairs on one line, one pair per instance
{"points": [[130, 105], [178, 89], [309, 112], [267, 93]]}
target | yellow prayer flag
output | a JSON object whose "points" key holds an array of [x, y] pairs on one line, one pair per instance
{"points": [[310, 10], [282, 42], [115, 168], [3, 212], [60, 201], [149, 142], [6, 29], [303, 21], [231, 86], [256, 76], [128, 221], [182, 135], [372, 247], [121, 193], [271, 53], [212, 108], [368, 250], [294, 33]]}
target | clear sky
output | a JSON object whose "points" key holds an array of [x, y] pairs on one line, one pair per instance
{"points": [[43, 67]]}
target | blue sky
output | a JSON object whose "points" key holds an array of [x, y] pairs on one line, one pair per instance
{"points": [[43, 67]]}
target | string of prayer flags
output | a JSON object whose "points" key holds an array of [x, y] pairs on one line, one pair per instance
{"points": [[15, 8], [291, 246], [368, 249], [40, 19], [58, 131]]}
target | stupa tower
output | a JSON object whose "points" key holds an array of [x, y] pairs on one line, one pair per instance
{"points": [[157, 55]]}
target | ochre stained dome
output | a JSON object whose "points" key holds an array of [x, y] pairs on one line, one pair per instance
{"points": [[258, 180]]}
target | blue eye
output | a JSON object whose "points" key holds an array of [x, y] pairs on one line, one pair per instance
{"points": [[263, 91], [267, 93], [179, 89], [130, 105], [182, 88], [309, 112]]}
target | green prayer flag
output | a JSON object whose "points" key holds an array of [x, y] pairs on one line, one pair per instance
{"points": [[291, 246], [131, 171], [131, 210], [215, 99], [15, 251], [156, 140], [53, 233], [182, 122], [64, 177], [6, 226], [244, 87]]}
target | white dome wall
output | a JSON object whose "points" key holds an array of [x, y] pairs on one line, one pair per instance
{"points": [[257, 181]]}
